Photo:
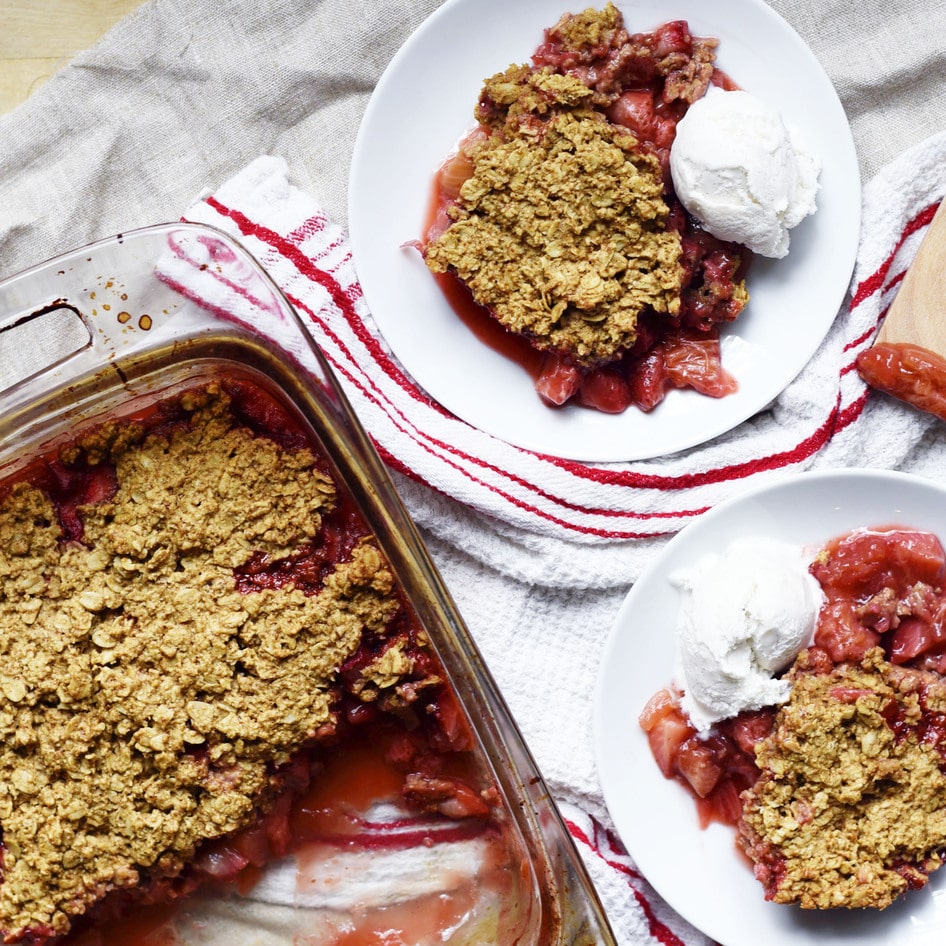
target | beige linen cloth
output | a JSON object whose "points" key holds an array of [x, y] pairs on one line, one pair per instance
{"points": [[181, 96]]}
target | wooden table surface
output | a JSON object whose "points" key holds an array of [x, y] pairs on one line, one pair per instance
{"points": [[38, 37]]}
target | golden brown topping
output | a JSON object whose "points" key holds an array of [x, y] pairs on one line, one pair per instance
{"points": [[511, 100], [560, 229], [143, 699], [386, 671], [590, 28], [103, 443], [847, 811]]}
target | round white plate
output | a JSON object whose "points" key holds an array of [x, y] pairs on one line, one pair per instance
{"points": [[699, 872], [420, 109]]}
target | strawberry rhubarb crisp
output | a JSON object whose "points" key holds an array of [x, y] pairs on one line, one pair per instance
{"points": [[838, 795], [558, 216], [188, 610]]}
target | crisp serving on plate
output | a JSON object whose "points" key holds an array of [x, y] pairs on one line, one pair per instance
{"points": [[814, 723], [607, 204]]}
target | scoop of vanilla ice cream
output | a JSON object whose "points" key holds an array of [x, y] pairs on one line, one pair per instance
{"points": [[746, 614], [740, 171]]}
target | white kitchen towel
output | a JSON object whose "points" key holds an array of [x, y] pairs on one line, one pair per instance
{"points": [[558, 521], [525, 512]]}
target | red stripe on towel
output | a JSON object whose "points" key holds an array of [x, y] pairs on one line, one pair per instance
{"points": [[875, 281], [659, 930], [623, 480]]}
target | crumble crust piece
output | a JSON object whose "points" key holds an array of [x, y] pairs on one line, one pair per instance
{"points": [[586, 34], [588, 29], [144, 701], [850, 806], [560, 230]]}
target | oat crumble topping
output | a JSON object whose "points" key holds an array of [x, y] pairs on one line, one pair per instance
{"points": [[848, 811], [145, 700], [561, 228], [589, 28]]}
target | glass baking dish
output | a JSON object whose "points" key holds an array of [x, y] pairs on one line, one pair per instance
{"points": [[111, 330]]}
